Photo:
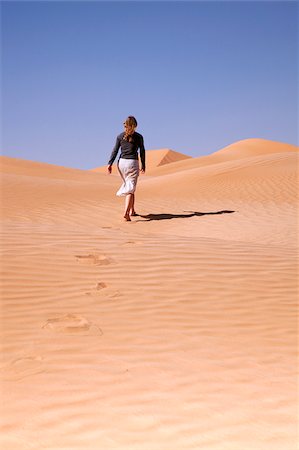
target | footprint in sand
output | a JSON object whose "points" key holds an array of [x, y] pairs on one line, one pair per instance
{"points": [[93, 258], [100, 286], [103, 289], [22, 367], [128, 243], [72, 324]]}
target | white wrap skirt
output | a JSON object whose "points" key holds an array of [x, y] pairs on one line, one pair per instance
{"points": [[129, 172]]}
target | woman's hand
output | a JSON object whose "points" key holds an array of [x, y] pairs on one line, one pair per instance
{"points": [[109, 169], [142, 171]]}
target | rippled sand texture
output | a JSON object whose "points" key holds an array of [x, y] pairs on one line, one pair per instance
{"points": [[175, 331]]}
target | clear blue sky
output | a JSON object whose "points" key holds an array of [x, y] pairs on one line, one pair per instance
{"points": [[197, 76]]}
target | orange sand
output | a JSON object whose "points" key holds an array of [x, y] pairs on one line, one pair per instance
{"points": [[174, 331]]}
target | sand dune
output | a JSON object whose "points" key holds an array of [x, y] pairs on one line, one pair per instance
{"points": [[175, 331], [155, 158], [243, 173], [235, 151], [22, 167], [261, 191], [158, 158]]}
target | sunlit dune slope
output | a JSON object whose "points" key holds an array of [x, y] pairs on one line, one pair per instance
{"points": [[183, 320], [237, 150], [269, 176], [257, 195], [28, 185], [18, 166]]}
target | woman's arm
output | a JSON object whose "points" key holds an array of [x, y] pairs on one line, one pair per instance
{"points": [[114, 151], [142, 154]]}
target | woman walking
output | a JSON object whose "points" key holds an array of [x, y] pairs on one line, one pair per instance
{"points": [[128, 165]]}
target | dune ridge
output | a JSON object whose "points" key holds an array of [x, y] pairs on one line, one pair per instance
{"points": [[175, 331], [238, 150], [155, 158]]}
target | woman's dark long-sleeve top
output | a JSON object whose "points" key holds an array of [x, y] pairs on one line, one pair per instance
{"points": [[129, 150]]}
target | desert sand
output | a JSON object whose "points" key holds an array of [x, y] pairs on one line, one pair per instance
{"points": [[174, 331]]}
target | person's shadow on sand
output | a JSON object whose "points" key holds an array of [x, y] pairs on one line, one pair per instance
{"points": [[165, 216]]}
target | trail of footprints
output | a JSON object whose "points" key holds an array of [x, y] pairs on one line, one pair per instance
{"points": [[75, 323], [70, 324], [100, 288]]}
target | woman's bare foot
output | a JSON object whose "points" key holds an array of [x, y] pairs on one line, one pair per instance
{"points": [[134, 213], [127, 218]]}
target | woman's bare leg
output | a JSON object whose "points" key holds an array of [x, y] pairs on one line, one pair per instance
{"points": [[128, 205], [132, 205]]}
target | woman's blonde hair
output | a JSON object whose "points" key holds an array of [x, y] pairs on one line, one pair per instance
{"points": [[130, 124]]}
